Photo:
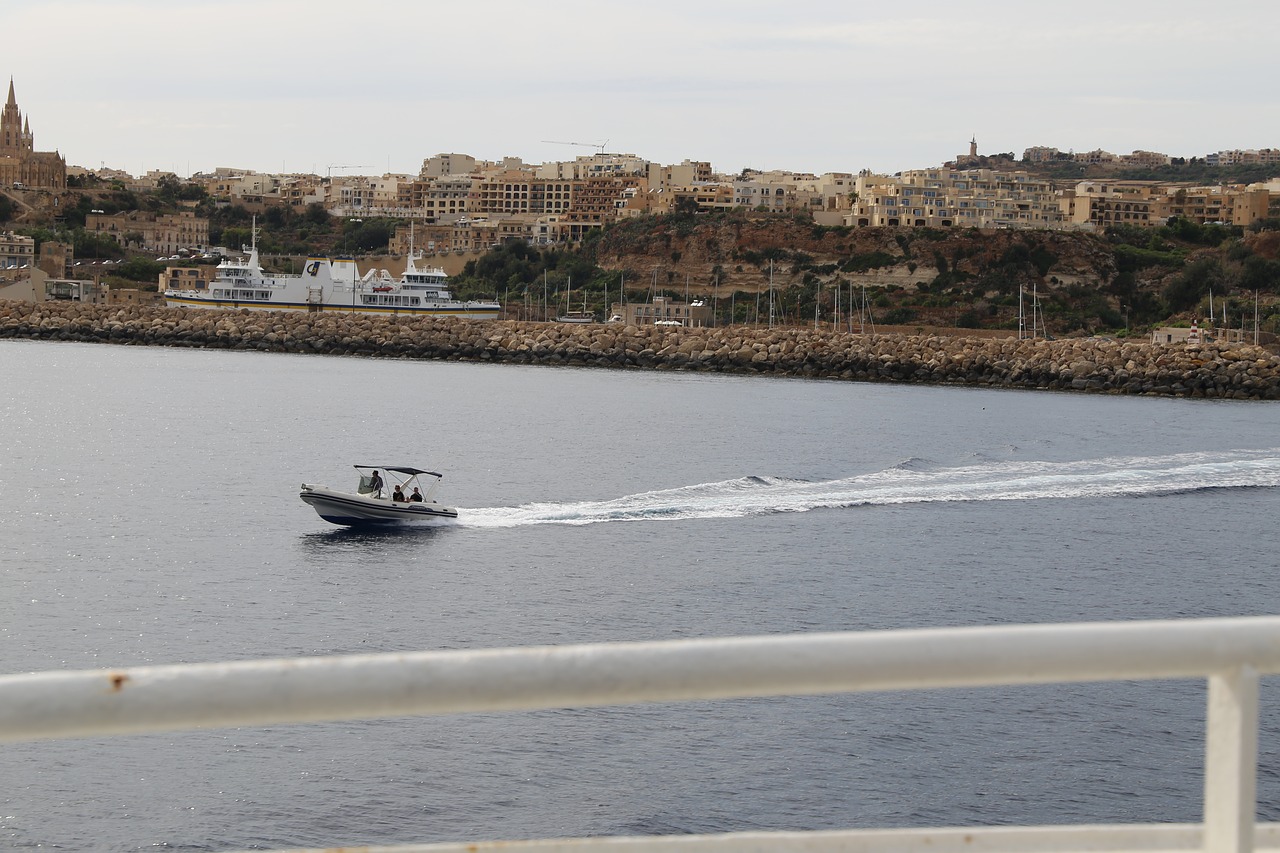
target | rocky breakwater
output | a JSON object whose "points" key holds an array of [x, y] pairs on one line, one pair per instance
{"points": [[1217, 370]]}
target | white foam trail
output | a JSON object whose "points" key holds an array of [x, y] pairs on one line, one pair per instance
{"points": [[1135, 476]]}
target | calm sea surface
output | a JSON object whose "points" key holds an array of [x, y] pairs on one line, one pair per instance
{"points": [[149, 515]]}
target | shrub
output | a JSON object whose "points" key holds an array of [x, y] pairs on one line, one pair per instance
{"points": [[898, 317]]}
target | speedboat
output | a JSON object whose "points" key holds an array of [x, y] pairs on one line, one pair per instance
{"points": [[376, 501]]}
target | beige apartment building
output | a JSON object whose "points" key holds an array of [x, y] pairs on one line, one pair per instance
{"points": [[948, 198], [1151, 203], [1249, 157], [553, 198], [300, 191], [762, 195], [830, 192], [427, 238], [596, 202], [256, 192], [1096, 157], [515, 193], [445, 199], [1042, 154], [443, 165], [16, 252], [163, 233], [463, 236], [186, 278], [504, 193], [1230, 205], [706, 196], [1145, 159], [357, 195], [1105, 203], [593, 166]]}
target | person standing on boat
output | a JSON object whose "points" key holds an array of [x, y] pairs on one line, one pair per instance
{"points": [[396, 494], [416, 496], [375, 484]]}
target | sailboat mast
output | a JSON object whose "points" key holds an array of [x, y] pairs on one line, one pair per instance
{"points": [[1022, 319], [771, 293]]}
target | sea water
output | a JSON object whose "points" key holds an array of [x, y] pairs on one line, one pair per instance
{"points": [[149, 515]]}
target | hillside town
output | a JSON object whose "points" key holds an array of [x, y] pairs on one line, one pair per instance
{"points": [[459, 206]]}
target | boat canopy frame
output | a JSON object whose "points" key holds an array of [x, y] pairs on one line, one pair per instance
{"points": [[408, 476], [398, 469]]}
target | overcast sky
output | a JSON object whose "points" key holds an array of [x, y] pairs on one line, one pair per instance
{"points": [[808, 85]]}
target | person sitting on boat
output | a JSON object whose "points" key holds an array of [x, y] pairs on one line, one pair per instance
{"points": [[396, 494], [375, 484], [416, 496]]}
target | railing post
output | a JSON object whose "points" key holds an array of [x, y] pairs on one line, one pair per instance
{"points": [[1231, 761]]}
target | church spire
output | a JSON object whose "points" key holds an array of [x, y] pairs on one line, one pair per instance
{"points": [[13, 102]]}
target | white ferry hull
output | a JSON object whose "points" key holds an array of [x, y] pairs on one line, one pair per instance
{"points": [[482, 311]]}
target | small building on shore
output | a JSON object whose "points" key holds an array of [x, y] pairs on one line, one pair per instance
{"points": [[1166, 335], [39, 286], [186, 278], [1177, 335], [662, 312]]}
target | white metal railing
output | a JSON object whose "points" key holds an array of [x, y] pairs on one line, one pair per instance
{"points": [[1230, 653]]}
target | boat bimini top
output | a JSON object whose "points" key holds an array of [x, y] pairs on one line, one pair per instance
{"points": [[408, 477]]}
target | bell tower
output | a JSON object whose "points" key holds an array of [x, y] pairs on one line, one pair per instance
{"points": [[12, 134], [15, 132], [20, 163]]}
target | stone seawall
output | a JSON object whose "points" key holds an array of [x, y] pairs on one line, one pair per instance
{"points": [[1218, 370]]}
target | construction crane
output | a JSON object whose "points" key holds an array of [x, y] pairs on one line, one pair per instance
{"points": [[333, 166], [599, 146]]}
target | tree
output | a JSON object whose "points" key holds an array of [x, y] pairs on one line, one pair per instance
{"points": [[87, 244], [366, 235], [685, 205], [1258, 273], [316, 214], [138, 268], [1193, 283]]}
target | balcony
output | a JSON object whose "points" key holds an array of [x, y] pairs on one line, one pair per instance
{"points": [[1230, 655]]}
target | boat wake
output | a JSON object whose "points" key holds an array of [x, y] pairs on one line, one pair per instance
{"points": [[1134, 476]]}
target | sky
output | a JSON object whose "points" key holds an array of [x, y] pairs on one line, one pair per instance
{"points": [[808, 85]]}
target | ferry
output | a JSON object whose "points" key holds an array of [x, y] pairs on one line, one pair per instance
{"points": [[331, 285]]}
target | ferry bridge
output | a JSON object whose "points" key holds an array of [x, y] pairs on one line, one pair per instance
{"points": [[1229, 654]]}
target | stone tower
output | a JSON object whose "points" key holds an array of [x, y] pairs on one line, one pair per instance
{"points": [[15, 135], [20, 163]]}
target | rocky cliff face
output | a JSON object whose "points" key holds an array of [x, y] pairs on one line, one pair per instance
{"points": [[739, 250]]}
